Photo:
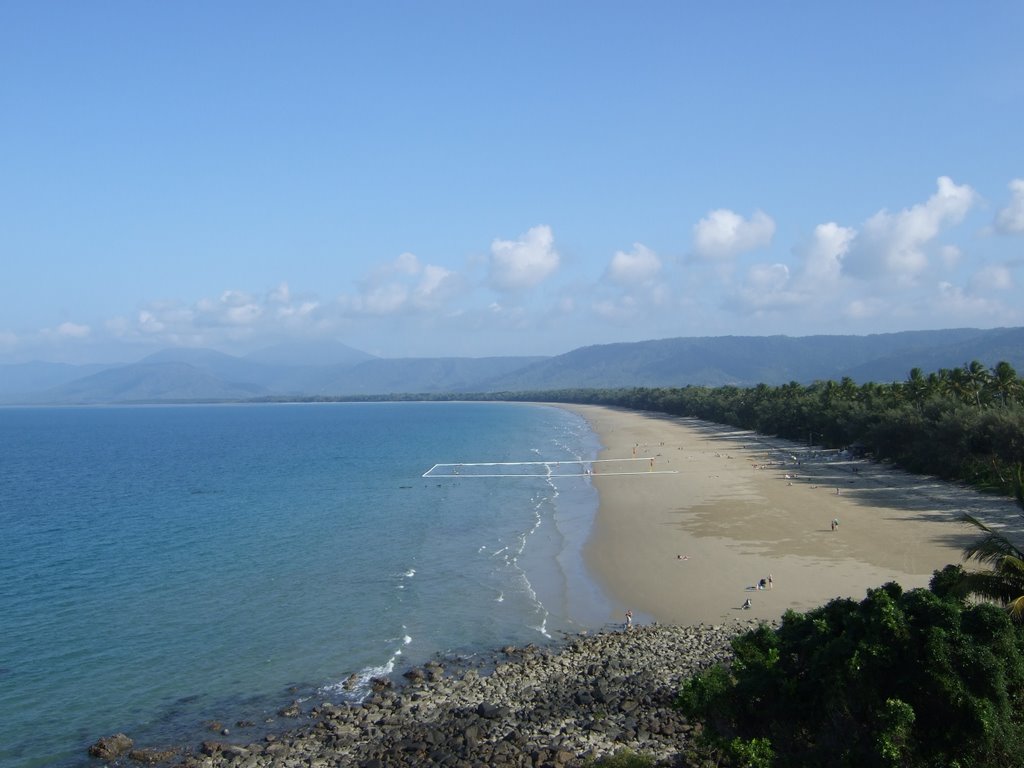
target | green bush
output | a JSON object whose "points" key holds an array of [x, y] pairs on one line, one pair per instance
{"points": [[899, 679], [625, 758]]}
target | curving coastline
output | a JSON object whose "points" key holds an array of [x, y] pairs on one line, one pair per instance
{"points": [[683, 547], [689, 544]]}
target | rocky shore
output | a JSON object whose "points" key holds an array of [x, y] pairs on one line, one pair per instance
{"points": [[592, 697]]}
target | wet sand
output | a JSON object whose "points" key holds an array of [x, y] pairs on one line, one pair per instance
{"points": [[685, 533]]}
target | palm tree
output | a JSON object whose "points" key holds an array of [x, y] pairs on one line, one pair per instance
{"points": [[917, 387], [976, 378], [1003, 380], [1005, 582]]}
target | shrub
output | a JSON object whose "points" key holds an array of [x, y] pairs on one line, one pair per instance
{"points": [[899, 679]]}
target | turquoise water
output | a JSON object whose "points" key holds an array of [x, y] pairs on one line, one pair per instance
{"points": [[167, 566]]}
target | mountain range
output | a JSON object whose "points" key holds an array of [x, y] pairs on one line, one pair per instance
{"points": [[337, 370]]}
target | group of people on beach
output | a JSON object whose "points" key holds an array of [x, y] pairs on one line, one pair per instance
{"points": [[766, 583]]}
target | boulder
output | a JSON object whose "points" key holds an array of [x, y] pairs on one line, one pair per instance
{"points": [[111, 747]]}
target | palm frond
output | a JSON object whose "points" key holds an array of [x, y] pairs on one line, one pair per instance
{"points": [[992, 586], [990, 548], [1017, 608]]}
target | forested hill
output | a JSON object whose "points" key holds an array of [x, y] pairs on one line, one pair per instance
{"points": [[340, 371], [751, 360]]}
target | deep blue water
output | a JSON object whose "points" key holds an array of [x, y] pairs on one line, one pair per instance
{"points": [[162, 567]]}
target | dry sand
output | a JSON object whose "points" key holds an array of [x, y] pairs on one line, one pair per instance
{"points": [[685, 538]]}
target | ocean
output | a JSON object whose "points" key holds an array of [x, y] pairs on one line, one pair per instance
{"points": [[165, 567]]}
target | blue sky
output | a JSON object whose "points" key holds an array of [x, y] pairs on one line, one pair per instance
{"points": [[475, 178]]}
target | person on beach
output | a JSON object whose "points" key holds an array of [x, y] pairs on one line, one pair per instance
{"points": [[747, 604], [762, 584], [770, 581], [629, 620], [835, 523]]}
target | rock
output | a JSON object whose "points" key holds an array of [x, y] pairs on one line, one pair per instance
{"points": [[152, 756], [534, 707], [210, 748], [111, 747], [233, 752], [490, 711]]}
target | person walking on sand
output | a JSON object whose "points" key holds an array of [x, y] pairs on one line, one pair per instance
{"points": [[770, 581]]}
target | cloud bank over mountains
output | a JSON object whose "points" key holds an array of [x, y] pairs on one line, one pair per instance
{"points": [[930, 264]]}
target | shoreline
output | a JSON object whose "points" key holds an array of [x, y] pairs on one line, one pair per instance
{"points": [[681, 535], [522, 707], [722, 508]]}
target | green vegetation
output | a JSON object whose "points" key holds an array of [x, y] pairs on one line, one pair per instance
{"points": [[1005, 582], [899, 679], [963, 424], [624, 758]]}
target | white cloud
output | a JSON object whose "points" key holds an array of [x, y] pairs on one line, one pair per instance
{"points": [[1010, 220], [431, 286], [955, 303], [638, 266], [864, 309], [893, 245], [523, 263], [148, 322], [72, 331], [994, 277], [822, 260], [767, 287], [401, 286], [232, 308], [623, 308], [723, 234], [950, 256], [280, 295]]}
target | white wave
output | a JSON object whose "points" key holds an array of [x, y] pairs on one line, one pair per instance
{"points": [[357, 686]]}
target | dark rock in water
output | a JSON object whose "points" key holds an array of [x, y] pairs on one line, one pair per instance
{"points": [[292, 710], [111, 747], [152, 756], [380, 683], [210, 748]]}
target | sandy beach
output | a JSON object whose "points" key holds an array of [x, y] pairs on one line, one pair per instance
{"points": [[701, 512]]}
